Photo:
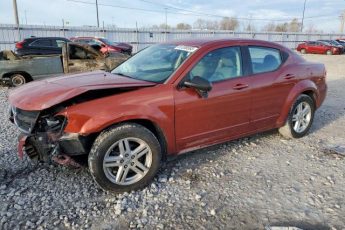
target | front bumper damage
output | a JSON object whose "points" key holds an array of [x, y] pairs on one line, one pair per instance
{"points": [[42, 138], [61, 150]]}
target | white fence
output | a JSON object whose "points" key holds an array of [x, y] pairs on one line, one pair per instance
{"points": [[140, 38]]}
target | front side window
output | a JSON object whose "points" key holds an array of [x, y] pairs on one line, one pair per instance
{"points": [[264, 59], [219, 65], [155, 63]]}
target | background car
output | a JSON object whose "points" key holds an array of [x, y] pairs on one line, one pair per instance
{"points": [[75, 58], [40, 46], [318, 47], [341, 41], [106, 45], [334, 43]]}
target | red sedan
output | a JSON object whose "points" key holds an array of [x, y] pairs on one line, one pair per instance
{"points": [[318, 47], [166, 100], [105, 45]]}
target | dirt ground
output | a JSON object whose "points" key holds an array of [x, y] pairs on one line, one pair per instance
{"points": [[252, 183]]}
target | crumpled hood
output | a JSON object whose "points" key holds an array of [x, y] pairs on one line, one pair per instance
{"points": [[40, 95]]}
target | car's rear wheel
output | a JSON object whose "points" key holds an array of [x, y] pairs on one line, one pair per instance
{"points": [[300, 118], [17, 80], [329, 52], [124, 158], [303, 51]]}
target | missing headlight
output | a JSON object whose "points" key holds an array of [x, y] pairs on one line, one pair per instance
{"points": [[52, 124]]}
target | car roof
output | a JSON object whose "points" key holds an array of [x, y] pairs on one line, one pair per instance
{"points": [[213, 41], [86, 37], [47, 38]]}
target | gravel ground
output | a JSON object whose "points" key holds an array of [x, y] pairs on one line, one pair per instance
{"points": [[263, 180]]}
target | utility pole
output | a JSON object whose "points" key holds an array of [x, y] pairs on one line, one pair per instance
{"points": [[15, 8], [63, 27], [26, 19], [342, 22], [166, 18], [97, 13], [166, 24], [305, 2]]}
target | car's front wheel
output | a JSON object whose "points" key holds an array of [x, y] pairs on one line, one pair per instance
{"points": [[124, 158], [300, 118]]}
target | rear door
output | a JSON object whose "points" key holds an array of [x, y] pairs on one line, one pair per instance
{"points": [[42, 46], [225, 113], [271, 85]]}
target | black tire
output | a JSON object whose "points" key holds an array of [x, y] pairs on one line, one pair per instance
{"points": [[288, 130], [107, 139], [17, 80]]}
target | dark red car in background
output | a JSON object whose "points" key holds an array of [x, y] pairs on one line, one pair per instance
{"points": [[106, 45], [168, 99], [318, 47]]}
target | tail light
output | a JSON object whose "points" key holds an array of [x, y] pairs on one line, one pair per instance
{"points": [[19, 45]]}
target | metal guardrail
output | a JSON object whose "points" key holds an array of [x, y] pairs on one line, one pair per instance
{"points": [[141, 38]]}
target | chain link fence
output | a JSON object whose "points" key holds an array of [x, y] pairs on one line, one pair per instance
{"points": [[140, 38]]}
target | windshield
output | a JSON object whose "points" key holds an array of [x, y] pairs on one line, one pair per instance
{"points": [[155, 63]]}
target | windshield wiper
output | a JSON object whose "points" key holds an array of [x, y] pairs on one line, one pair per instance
{"points": [[123, 75]]}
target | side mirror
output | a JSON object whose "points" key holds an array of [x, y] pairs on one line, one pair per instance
{"points": [[201, 85]]}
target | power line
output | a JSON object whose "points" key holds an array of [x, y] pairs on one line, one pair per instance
{"points": [[193, 12], [240, 18]]}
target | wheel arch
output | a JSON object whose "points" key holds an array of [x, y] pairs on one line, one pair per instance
{"points": [[150, 125], [27, 76], [306, 87]]}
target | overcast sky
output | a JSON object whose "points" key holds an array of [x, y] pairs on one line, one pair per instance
{"points": [[323, 14]]}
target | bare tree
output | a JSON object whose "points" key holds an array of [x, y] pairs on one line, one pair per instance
{"points": [[212, 25], [183, 26], [200, 24], [295, 25], [164, 26], [282, 27], [269, 27], [228, 23], [206, 24]]}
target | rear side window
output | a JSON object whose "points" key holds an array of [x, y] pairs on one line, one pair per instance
{"points": [[42, 42], [264, 59]]}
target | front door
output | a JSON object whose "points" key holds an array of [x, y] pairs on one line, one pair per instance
{"points": [[225, 113], [81, 59]]}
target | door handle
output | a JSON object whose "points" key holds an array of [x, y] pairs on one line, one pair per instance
{"points": [[70, 64], [289, 76], [240, 86]]}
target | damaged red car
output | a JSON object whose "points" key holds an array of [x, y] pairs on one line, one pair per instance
{"points": [[166, 100]]}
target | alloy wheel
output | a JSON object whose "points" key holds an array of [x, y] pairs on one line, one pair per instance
{"points": [[127, 161], [301, 117]]}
